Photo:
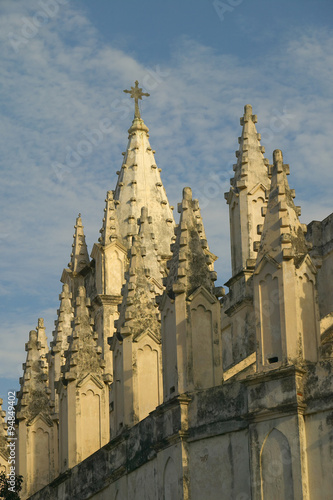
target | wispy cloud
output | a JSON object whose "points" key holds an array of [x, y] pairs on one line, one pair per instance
{"points": [[61, 85]]}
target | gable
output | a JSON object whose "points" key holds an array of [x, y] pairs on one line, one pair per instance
{"points": [[268, 263], [203, 292], [90, 378], [146, 333], [258, 187]]}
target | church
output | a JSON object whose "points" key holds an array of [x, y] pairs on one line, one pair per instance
{"points": [[159, 385]]}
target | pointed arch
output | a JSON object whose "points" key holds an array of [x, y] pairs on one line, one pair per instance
{"points": [[148, 378], [270, 321], [90, 406], [40, 456], [169, 350], [118, 387], [308, 320], [276, 467], [235, 236], [170, 480], [202, 346]]}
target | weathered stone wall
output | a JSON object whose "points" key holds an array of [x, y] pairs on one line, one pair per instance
{"points": [[246, 408], [269, 434], [219, 467]]}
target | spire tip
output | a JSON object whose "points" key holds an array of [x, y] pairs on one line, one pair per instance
{"points": [[187, 193], [247, 109], [136, 94], [277, 156]]}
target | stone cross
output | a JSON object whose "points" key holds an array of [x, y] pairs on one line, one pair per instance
{"points": [[136, 94]]}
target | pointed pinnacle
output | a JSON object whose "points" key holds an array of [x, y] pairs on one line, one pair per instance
{"points": [[251, 166], [79, 255], [282, 233], [191, 263], [110, 229]]}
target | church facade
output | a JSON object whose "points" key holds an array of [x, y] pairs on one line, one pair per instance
{"points": [[159, 385]]}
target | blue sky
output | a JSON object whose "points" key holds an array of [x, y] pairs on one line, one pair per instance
{"points": [[64, 65]]}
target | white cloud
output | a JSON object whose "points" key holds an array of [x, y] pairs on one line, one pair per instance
{"points": [[64, 81]]}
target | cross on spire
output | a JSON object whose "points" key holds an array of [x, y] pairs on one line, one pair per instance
{"points": [[136, 94]]}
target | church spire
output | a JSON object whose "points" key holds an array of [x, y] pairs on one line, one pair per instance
{"points": [[79, 255], [282, 233], [251, 164], [64, 321], [83, 354], [33, 397], [192, 263], [139, 185], [285, 303], [248, 193], [59, 345], [110, 228], [190, 311]]}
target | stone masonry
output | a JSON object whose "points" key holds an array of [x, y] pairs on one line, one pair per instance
{"points": [[159, 385]]}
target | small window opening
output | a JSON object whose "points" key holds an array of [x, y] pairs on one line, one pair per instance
{"points": [[274, 359]]}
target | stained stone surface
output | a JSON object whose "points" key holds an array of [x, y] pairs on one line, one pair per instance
{"points": [[159, 385]]}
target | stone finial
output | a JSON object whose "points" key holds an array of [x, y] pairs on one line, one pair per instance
{"points": [[63, 323], [248, 116], [34, 394], [41, 337], [110, 228], [247, 111], [251, 166], [248, 193], [282, 233], [187, 193], [191, 265], [79, 255], [277, 156], [83, 354]]}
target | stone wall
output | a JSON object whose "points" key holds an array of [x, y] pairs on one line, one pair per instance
{"points": [[268, 436]]}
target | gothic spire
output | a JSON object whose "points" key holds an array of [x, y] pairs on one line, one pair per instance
{"points": [[248, 193], [110, 228], [191, 265], [59, 344], [33, 397], [285, 303], [83, 354], [79, 255], [64, 321], [251, 165], [282, 233], [139, 185]]}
